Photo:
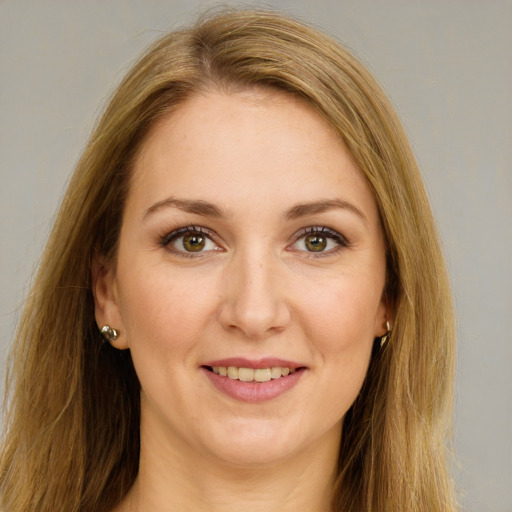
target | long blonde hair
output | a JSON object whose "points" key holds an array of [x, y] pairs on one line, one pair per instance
{"points": [[72, 440]]}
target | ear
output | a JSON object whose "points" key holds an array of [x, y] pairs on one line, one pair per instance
{"points": [[385, 314], [106, 303]]}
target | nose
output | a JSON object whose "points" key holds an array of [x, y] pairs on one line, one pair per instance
{"points": [[253, 301]]}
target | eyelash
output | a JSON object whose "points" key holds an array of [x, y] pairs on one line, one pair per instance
{"points": [[166, 240], [169, 238], [329, 233]]}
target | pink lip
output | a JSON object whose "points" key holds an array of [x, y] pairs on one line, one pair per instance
{"points": [[254, 392]]}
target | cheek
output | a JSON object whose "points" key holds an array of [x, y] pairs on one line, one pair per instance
{"points": [[165, 318], [163, 310], [340, 323], [342, 314]]}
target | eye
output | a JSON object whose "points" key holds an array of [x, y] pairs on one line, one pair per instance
{"points": [[319, 240], [189, 241]]}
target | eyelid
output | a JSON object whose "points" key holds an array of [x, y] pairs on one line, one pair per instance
{"points": [[330, 233], [167, 239]]}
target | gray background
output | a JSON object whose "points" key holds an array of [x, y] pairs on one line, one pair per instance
{"points": [[447, 66]]}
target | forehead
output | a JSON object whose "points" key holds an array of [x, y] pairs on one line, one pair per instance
{"points": [[234, 146]]}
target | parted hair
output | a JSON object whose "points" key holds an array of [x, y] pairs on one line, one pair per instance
{"points": [[72, 416]]}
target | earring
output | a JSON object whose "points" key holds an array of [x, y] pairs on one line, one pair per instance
{"points": [[384, 338], [109, 334]]}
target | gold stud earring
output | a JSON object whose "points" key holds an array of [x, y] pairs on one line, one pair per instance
{"points": [[109, 334], [384, 338]]}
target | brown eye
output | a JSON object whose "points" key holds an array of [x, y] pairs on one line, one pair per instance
{"points": [[194, 242], [315, 243], [190, 242], [319, 241]]}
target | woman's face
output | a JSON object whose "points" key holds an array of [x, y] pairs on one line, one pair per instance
{"points": [[250, 240]]}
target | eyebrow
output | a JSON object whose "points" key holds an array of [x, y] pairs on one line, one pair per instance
{"points": [[303, 209], [207, 209], [198, 207]]}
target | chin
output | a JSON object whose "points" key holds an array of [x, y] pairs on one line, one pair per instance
{"points": [[245, 455], [256, 444]]}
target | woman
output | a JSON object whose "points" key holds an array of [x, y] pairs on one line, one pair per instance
{"points": [[248, 230]]}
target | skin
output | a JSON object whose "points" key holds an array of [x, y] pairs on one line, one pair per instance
{"points": [[255, 290]]}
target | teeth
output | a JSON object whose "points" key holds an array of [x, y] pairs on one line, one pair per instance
{"points": [[275, 373], [246, 374], [250, 374], [262, 374]]}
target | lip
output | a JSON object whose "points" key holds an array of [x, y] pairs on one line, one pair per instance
{"points": [[254, 392]]}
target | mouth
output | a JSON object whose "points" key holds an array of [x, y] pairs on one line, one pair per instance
{"points": [[252, 374], [253, 381]]}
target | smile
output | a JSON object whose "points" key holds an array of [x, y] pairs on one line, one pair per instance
{"points": [[253, 381], [251, 374]]}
